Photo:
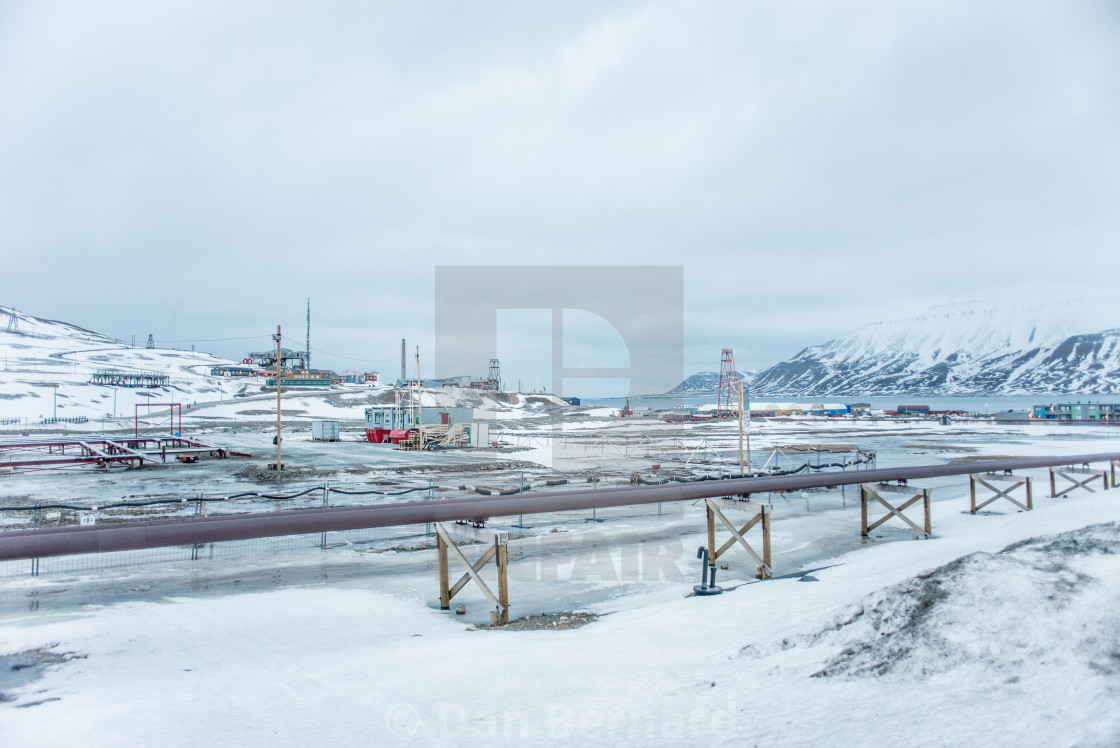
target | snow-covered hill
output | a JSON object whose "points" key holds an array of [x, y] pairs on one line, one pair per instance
{"points": [[47, 367], [703, 383], [1041, 339]]}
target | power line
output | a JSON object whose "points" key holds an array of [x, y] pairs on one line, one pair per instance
{"points": [[215, 340], [351, 358]]}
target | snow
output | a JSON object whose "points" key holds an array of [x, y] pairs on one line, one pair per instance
{"points": [[1038, 338], [44, 353], [999, 648], [1016, 319], [980, 635]]}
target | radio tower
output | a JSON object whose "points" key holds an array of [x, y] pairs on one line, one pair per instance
{"points": [[726, 399]]}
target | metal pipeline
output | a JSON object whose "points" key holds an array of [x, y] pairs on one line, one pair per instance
{"points": [[126, 536]]}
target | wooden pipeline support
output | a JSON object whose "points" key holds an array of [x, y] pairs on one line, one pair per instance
{"points": [[875, 491], [1069, 472], [761, 512], [498, 550], [985, 479]]}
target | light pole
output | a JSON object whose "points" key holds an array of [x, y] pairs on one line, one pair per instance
{"points": [[56, 401], [277, 338]]}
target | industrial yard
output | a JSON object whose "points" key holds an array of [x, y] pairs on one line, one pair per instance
{"points": [[611, 587], [608, 590]]}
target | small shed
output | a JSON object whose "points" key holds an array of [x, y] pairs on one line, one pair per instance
{"points": [[324, 431], [479, 434]]}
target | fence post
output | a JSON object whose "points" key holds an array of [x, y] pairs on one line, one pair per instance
{"points": [[198, 504], [36, 520], [326, 503], [521, 490]]}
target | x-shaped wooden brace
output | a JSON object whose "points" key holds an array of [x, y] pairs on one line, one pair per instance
{"points": [[1004, 494], [498, 548], [763, 516], [1092, 475], [866, 490]]}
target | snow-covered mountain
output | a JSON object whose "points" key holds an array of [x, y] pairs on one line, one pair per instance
{"points": [[1036, 339], [704, 383]]}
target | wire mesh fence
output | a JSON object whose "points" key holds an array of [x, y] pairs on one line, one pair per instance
{"points": [[402, 538], [27, 513]]}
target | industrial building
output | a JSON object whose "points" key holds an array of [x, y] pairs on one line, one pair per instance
{"points": [[300, 381], [233, 370], [827, 409], [295, 360], [114, 378]]}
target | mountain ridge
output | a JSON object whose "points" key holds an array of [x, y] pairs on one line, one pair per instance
{"points": [[1010, 344]]}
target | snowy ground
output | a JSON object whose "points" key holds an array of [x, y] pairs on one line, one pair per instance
{"points": [[1001, 647], [949, 640], [854, 642]]}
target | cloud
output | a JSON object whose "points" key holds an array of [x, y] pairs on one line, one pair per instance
{"points": [[208, 166]]}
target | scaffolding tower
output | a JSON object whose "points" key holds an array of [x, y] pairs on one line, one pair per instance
{"points": [[495, 375], [726, 399], [493, 381]]}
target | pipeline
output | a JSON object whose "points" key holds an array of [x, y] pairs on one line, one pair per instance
{"points": [[206, 499], [126, 536]]}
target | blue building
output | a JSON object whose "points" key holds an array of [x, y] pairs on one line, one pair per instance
{"points": [[1077, 412]]}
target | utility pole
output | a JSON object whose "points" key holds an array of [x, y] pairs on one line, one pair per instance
{"points": [[419, 406], [750, 470], [56, 401], [739, 386], [276, 337]]}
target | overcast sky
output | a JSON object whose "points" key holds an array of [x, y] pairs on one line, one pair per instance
{"points": [[196, 170]]}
